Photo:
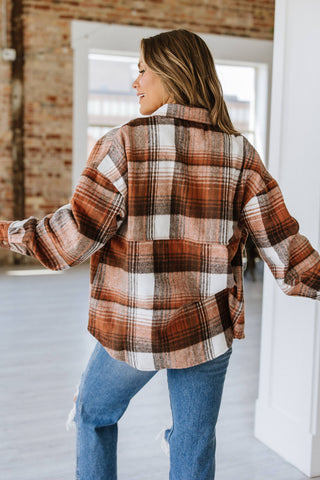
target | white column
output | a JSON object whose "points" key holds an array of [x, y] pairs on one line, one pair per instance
{"points": [[288, 406]]}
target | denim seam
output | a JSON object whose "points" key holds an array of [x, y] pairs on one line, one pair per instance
{"points": [[172, 426], [79, 401]]}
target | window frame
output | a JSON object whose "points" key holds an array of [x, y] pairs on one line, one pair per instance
{"points": [[93, 37]]}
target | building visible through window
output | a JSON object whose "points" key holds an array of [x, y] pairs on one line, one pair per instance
{"points": [[238, 84], [112, 101]]}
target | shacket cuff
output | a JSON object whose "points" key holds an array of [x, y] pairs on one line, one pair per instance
{"points": [[4, 241]]}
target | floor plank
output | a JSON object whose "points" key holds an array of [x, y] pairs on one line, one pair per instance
{"points": [[44, 346]]}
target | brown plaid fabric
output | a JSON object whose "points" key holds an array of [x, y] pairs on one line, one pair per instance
{"points": [[163, 209]]}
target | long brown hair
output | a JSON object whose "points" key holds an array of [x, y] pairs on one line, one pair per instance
{"points": [[186, 67]]}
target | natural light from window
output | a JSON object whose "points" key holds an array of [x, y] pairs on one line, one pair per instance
{"points": [[112, 101]]}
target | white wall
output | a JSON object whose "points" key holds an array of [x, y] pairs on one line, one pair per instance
{"points": [[288, 407]]}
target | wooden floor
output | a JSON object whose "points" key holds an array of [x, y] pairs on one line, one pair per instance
{"points": [[44, 346]]}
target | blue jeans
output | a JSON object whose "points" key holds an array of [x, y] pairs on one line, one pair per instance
{"points": [[106, 388]]}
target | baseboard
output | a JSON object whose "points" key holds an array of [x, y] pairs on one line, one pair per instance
{"points": [[288, 439]]}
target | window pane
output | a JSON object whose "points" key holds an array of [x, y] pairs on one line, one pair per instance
{"points": [[238, 84], [113, 101]]}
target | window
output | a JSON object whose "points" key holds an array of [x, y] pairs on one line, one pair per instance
{"points": [[96, 38], [238, 84], [112, 100]]}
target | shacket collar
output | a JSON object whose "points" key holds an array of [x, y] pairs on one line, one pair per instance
{"points": [[184, 112]]}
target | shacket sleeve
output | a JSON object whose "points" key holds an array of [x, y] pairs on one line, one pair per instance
{"points": [[77, 230], [294, 263], [4, 242]]}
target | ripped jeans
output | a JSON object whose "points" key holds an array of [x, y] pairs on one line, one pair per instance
{"points": [[106, 388]]}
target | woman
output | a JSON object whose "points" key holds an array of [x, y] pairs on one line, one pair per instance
{"points": [[163, 208]]}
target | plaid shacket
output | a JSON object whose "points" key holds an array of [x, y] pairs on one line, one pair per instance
{"points": [[163, 208]]}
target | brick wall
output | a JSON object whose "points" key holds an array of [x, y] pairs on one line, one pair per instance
{"points": [[6, 191], [48, 78]]}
